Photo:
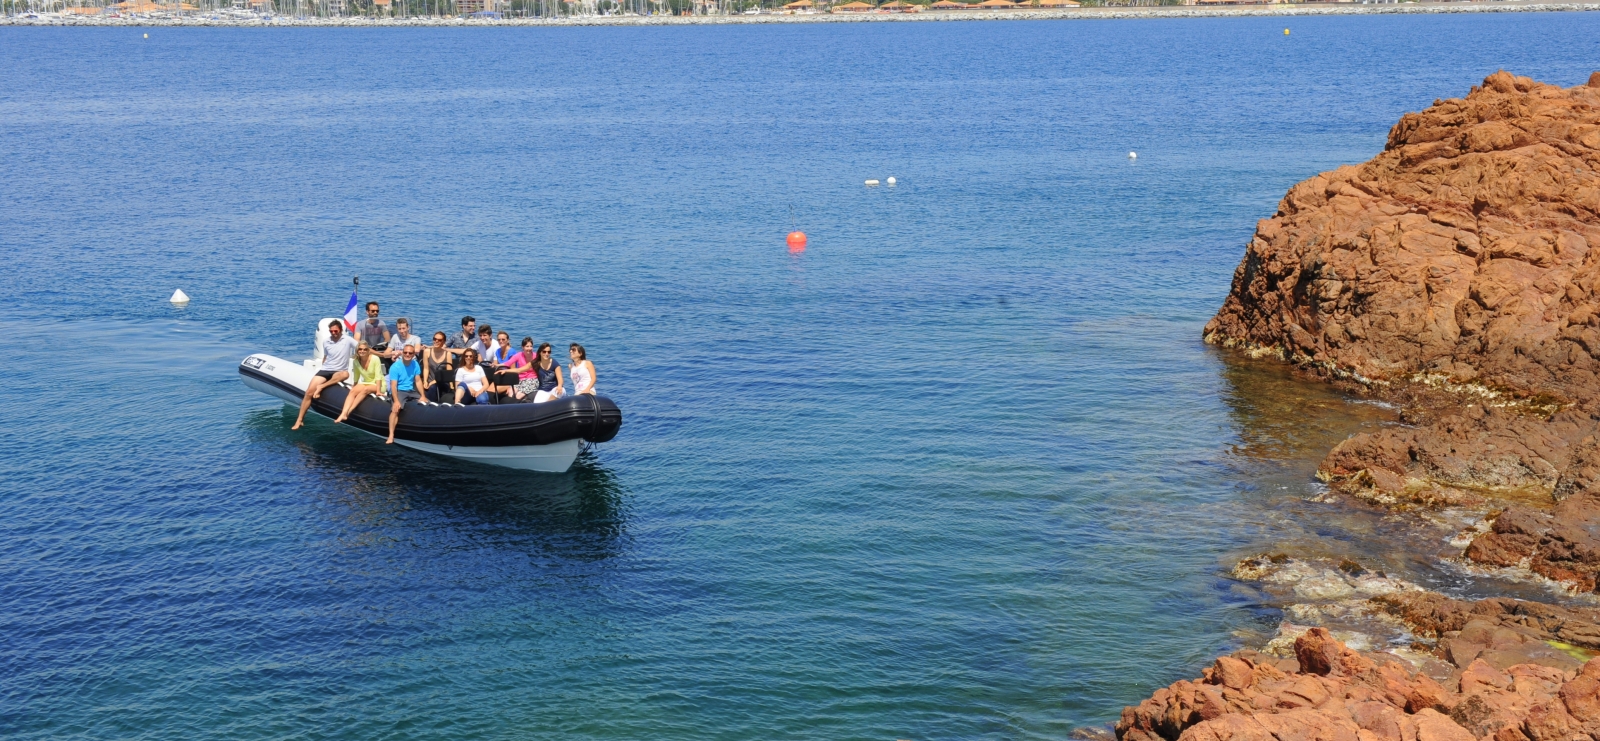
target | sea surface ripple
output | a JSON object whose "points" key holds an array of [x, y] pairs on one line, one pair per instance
{"points": [[960, 470]]}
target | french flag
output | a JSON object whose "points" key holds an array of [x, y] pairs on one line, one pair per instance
{"points": [[350, 317]]}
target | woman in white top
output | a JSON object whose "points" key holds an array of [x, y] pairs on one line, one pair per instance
{"points": [[470, 380], [582, 370]]}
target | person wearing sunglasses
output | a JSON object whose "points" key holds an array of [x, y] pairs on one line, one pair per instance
{"points": [[336, 352], [548, 372], [403, 374], [438, 369], [368, 380], [504, 379], [471, 384], [373, 330]]}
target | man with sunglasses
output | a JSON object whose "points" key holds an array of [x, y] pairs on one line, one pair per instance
{"points": [[403, 384], [336, 352], [374, 331]]}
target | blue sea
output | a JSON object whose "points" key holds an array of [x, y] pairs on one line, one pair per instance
{"points": [[962, 469]]}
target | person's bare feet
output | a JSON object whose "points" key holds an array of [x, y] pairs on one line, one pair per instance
{"points": [[296, 425], [338, 419], [390, 441]]}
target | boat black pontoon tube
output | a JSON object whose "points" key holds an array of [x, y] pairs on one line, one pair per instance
{"points": [[536, 437]]}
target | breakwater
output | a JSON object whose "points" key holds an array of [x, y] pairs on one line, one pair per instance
{"points": [[1284, 10]]}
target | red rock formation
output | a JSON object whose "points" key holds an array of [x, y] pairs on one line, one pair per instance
{"points": [[1454, 271], [1454, 274], [1462, 249], [1500, 624], [1331, 693]]}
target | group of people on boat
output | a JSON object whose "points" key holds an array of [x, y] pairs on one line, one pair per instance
{"points": [[476, 366]]}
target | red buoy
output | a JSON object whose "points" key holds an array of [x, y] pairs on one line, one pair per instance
{"points": [[797, 241]]}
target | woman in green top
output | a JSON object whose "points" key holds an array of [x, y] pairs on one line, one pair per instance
{"points": [[368, 379]]}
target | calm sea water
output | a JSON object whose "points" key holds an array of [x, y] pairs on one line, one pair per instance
{"points": [[960, 470]]}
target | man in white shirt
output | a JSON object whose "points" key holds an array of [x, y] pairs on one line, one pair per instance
{"points": [[485, 344], [336, 352]]}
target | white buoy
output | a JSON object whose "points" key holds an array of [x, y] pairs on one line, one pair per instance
{"points": [[872, 183], [179, 298], [891, 181], [1133, 155]]}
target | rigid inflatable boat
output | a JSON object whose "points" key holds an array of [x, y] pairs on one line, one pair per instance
{"points": [[537, 437]]}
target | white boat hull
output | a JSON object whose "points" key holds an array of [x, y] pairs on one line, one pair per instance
{"points": [[552, 458]]}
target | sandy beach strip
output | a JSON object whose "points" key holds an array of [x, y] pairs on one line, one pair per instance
{"points": [[1032, 14]]}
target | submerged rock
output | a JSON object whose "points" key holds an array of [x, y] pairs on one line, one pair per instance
{"points": [[1469, 628]]}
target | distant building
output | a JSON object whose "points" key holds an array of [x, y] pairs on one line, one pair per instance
{"points": [[146, 6]]}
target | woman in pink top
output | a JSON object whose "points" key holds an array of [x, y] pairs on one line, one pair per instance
{"points": [[522, 363]]}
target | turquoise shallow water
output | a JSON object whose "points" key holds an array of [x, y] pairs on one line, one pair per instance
{"points": [[960, 470]]}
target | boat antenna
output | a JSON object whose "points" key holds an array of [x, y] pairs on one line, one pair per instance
{"points": [[792, 226]]}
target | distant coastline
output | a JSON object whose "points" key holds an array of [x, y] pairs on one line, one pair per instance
{"points": [[1170, 11]]}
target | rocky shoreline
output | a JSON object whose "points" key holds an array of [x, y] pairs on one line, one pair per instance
{"points": [[1281, 10], [1453, 276]]}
